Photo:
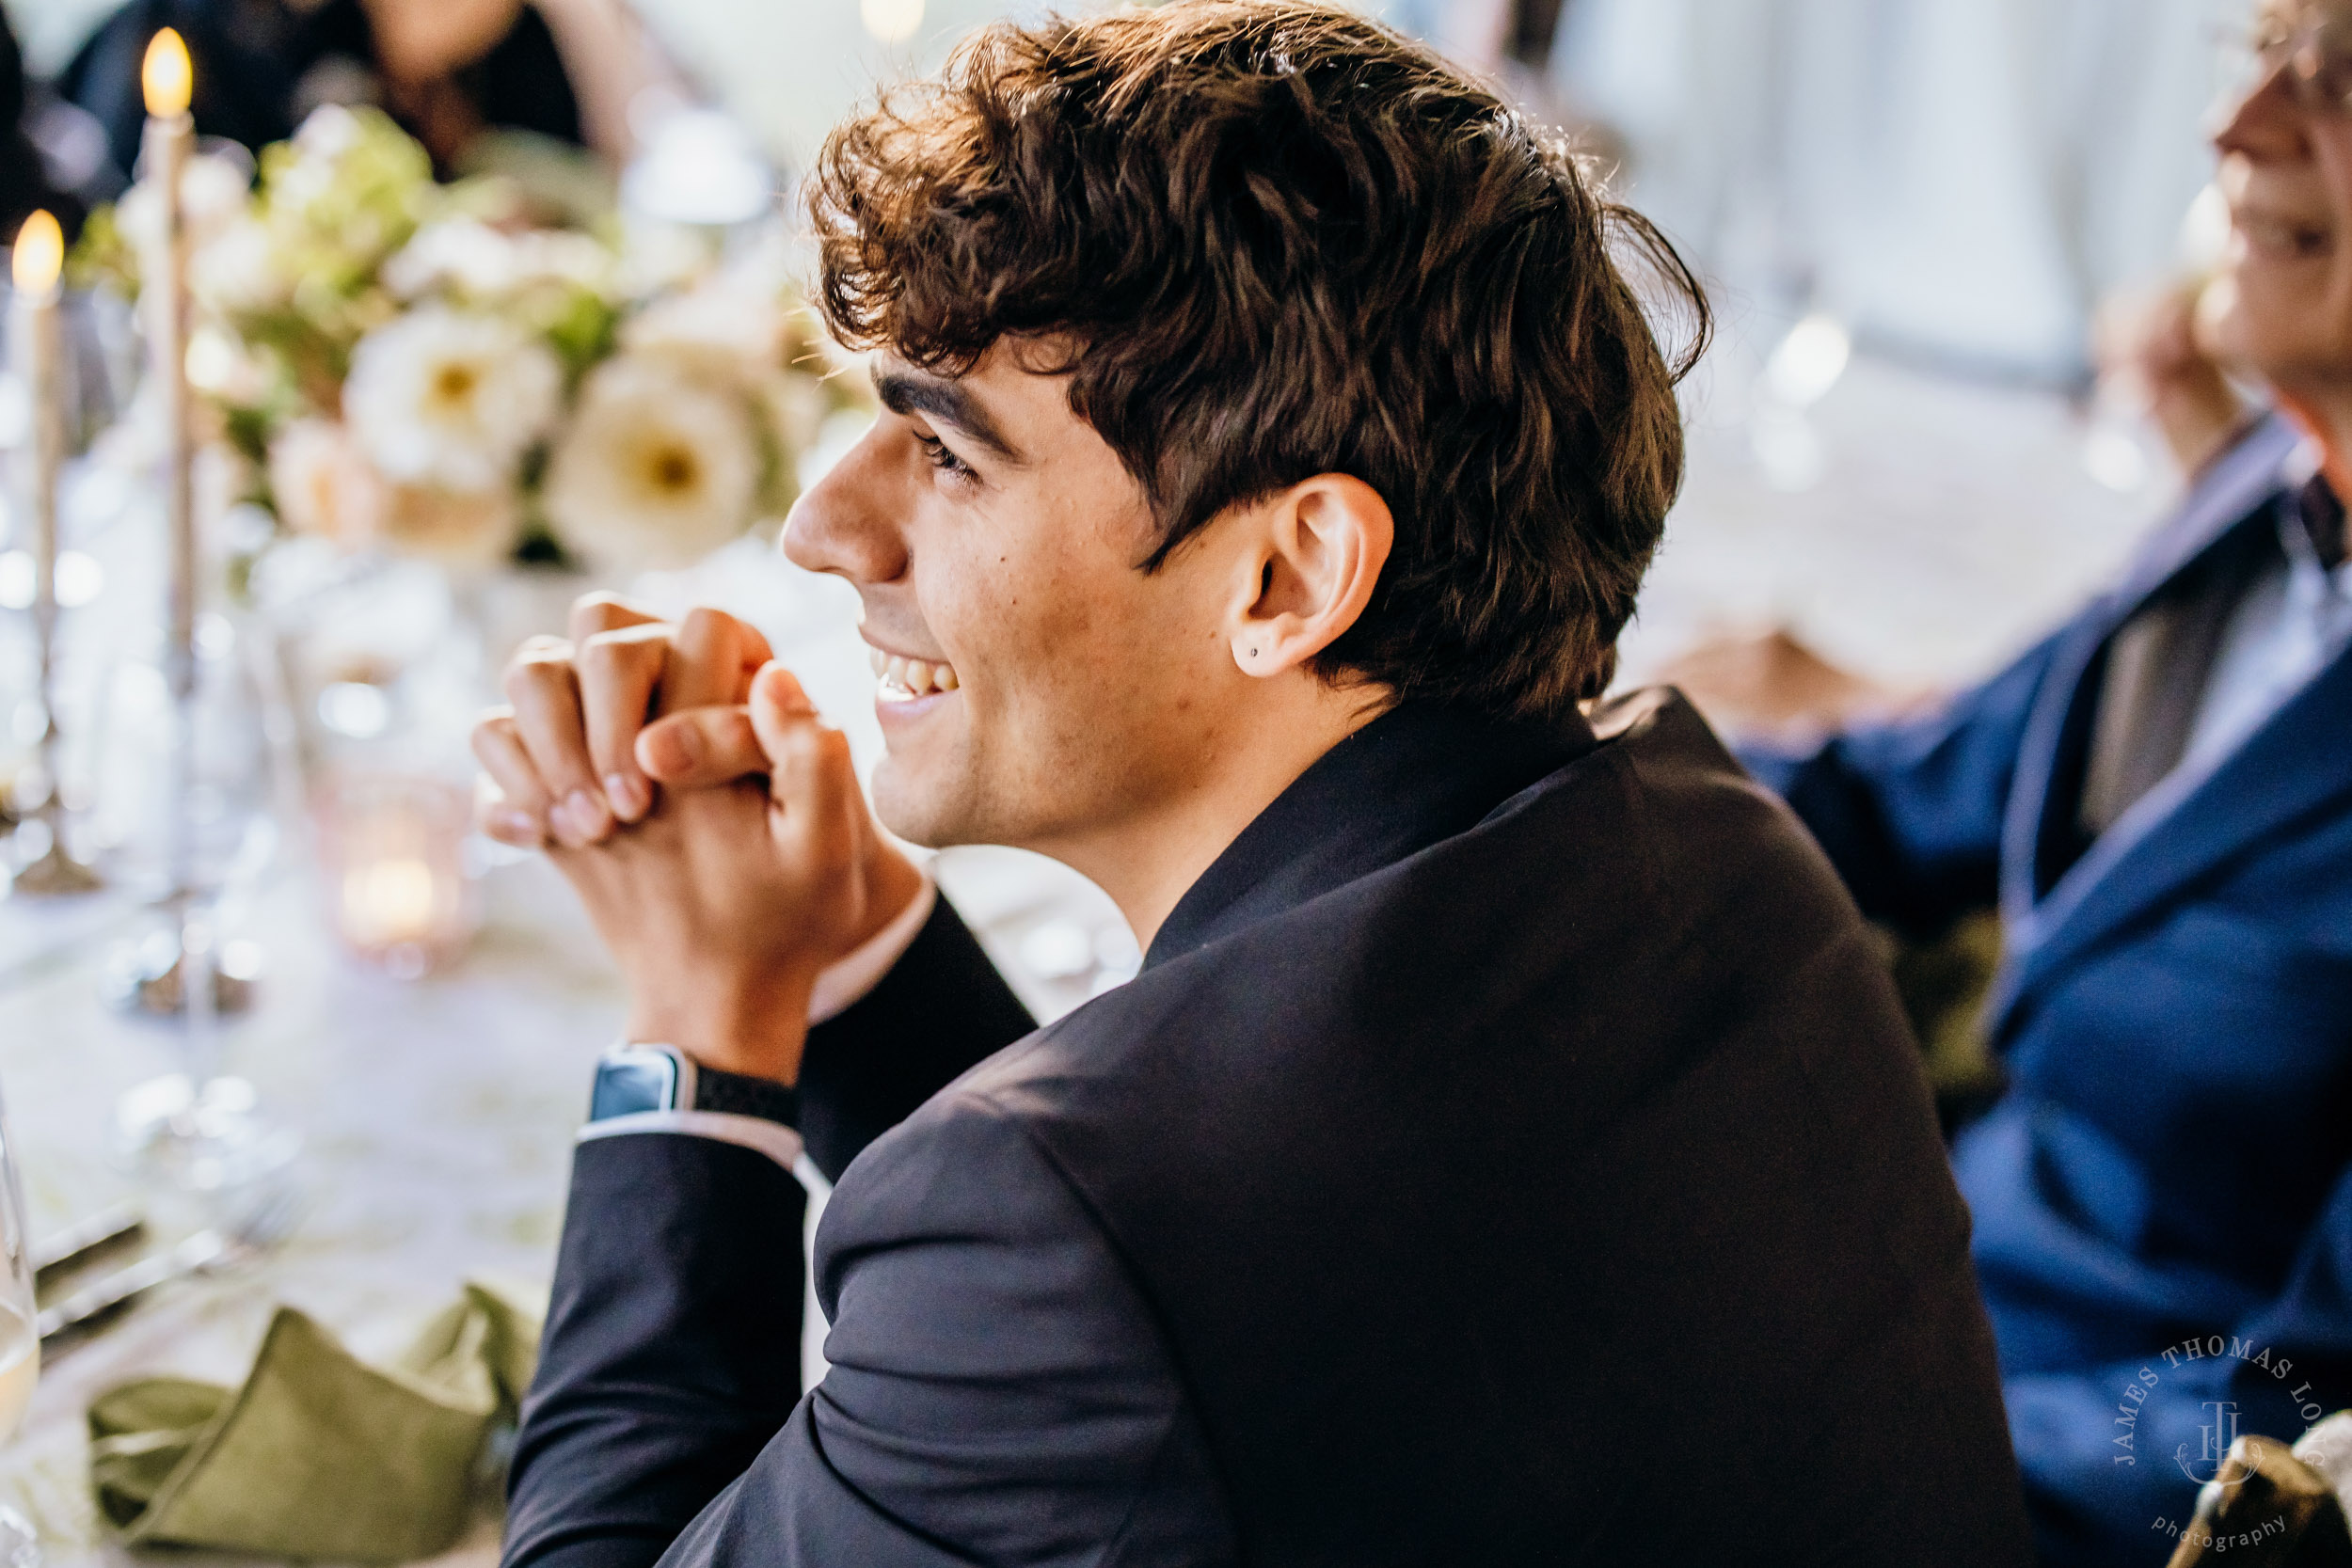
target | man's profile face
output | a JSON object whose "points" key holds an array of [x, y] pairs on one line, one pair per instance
{"points": [[991, 532], [2287, 168]]}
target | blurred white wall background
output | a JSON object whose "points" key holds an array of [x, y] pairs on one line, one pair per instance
{"points": [[787, 68], [1960, 179], [793, 68]]}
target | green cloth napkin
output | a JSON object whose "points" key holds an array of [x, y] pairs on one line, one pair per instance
{"points": [[318, 1456]]}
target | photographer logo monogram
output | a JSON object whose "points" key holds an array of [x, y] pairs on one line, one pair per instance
{"points": [[2201, 1461], [2219, 1433]]}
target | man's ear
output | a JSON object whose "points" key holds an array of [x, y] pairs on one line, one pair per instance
{"points": [[1319, 547]]}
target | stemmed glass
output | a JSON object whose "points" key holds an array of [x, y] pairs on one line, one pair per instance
{"points": [[20, 1342], [197, 790]]}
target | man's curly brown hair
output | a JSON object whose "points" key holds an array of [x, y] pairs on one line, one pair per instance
{"points": [[1270, 239]]}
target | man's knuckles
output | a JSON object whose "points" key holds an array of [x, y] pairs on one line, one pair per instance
{"points": [[541, 669], [628, 649], [493, 723], [713, 650], [714, 635], [593, 613]]}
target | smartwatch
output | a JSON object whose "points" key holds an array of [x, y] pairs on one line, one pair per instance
{"points": [[634, 1079]]}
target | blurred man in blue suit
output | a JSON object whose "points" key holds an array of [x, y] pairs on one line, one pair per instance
{"points": [[2158, 799]]}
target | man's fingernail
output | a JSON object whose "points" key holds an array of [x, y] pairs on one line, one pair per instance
{"points": [[678, 747], [630, 799], [785, 691], [519, 828]]}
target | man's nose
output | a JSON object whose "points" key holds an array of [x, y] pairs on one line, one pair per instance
{"points": [[849, 522], [2269, 123]]}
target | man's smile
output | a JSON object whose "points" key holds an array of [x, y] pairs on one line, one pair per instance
{"points": [[2279, 217], [2283, 235], [906, 680]]}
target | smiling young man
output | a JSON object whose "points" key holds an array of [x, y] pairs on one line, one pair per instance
{"points": [[1510, 1151]]}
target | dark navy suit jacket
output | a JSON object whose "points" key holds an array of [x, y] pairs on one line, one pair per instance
{"points": [[1511, 1152], [2172, 1166]]}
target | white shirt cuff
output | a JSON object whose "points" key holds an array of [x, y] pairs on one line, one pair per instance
{"points": [[840, 987], [773, 1138], [778, 1142], [846, 982]]}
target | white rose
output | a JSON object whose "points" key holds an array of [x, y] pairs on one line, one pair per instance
{"points": [[451, 398], [715, 322], [213, 197], [660, 466], [237, 270], [322, 484], [462, 253], [461, 529]]}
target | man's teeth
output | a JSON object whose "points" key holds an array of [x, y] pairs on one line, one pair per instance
{"points": [[915, 677]]}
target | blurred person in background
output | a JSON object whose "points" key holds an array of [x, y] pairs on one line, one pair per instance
{"points": [[23, 182], [2158, 799], [450, 71], [52, 156]]}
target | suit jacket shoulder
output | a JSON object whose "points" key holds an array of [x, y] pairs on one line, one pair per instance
{"points": [[1451, 1187], [997, 1379]]}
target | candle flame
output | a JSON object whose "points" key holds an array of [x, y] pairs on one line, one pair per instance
{"points": [[40, 255], [169, 79]]}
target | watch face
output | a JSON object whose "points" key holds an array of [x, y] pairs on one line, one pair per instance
{"points": [[633, 1081]]}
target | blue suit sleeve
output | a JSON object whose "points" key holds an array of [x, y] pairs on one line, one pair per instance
{"points": [[2112, 1454], [999, 1391], [1911, 813]]}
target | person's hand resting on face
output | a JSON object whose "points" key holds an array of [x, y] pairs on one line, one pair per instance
{"points": [[2158, 346], [708, 819]]}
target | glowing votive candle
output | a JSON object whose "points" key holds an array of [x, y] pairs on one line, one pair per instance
{"points": [[393, 850]]}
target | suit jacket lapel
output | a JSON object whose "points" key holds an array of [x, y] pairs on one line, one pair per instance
{"points": [[2288, 770], [2040, 927], [2238, 482]]}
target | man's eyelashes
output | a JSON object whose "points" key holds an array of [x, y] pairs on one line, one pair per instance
{"points": [[935, 452]]}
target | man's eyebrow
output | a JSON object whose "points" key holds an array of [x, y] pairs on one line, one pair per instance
{"points": [[904, 392]]}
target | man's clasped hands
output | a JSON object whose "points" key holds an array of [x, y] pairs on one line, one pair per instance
{"points": [[709, 820]]}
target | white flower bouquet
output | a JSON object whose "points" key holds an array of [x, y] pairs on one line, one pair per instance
{"points": [[407, 367]]}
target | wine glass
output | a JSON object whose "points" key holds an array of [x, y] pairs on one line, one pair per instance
{"points": [[192, 791], [20, 1342]]}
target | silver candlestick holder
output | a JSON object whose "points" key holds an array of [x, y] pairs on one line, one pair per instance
{"points": [[55, 871], [38, 345], [198, 1126]]}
